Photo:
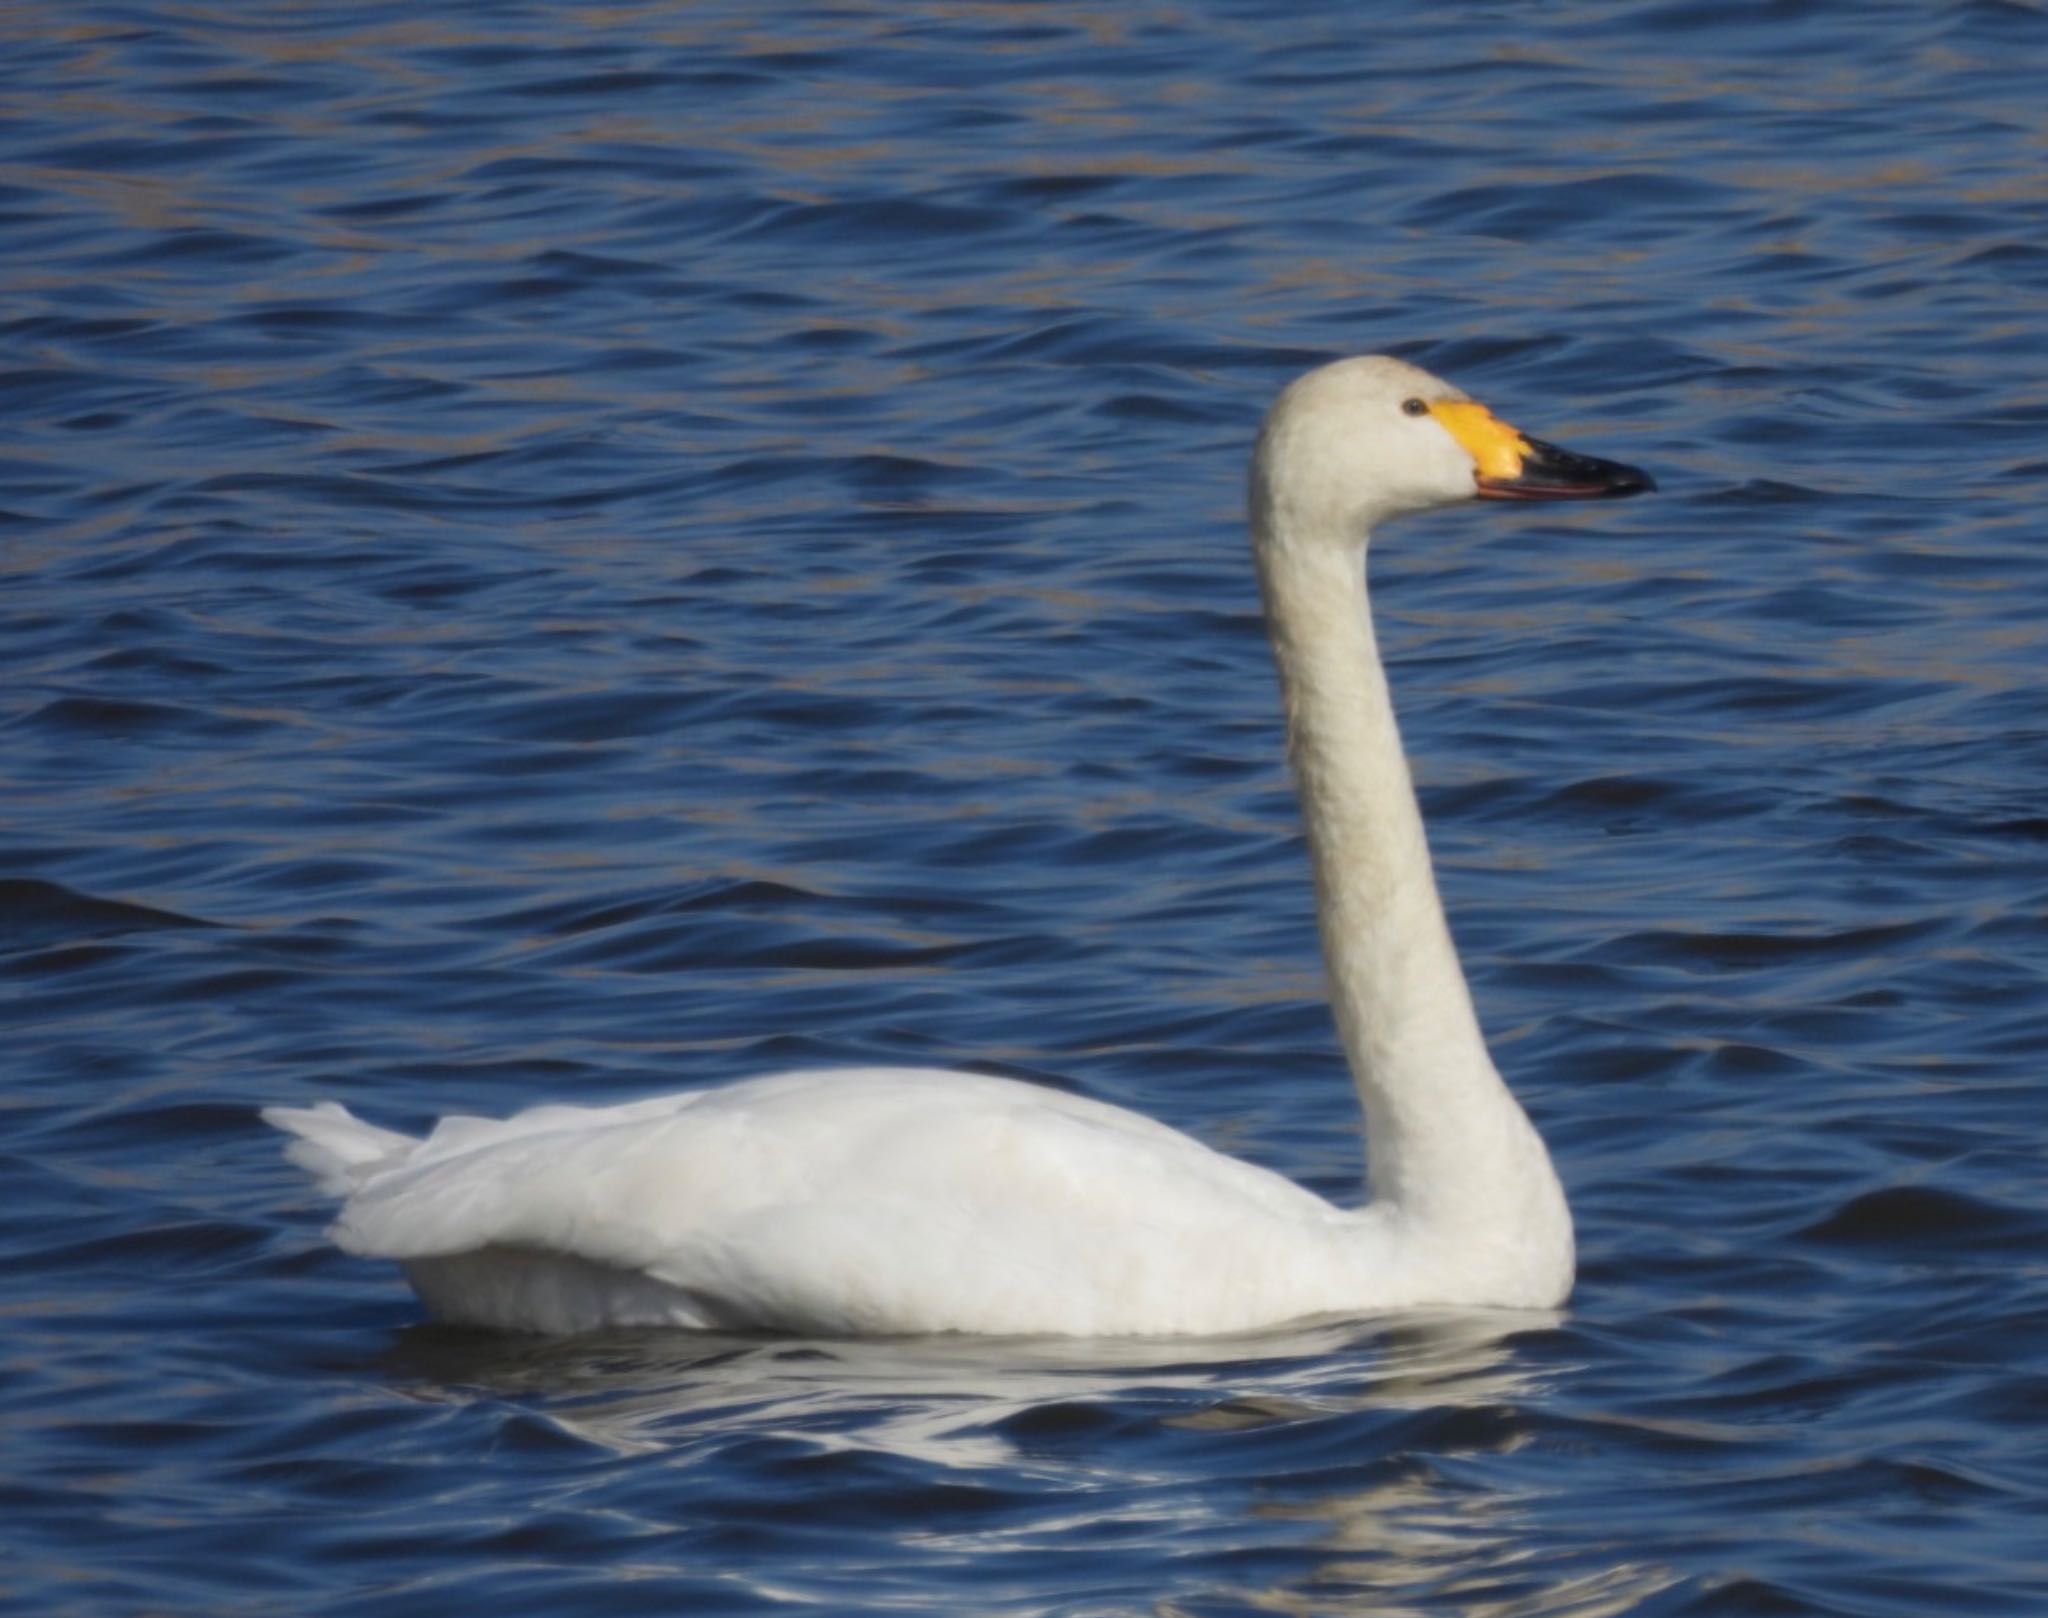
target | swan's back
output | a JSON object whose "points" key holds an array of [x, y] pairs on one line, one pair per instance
{"points": [[869, 1200]]}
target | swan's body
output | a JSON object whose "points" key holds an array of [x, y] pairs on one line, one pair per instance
{"points": [[899, 1200]]}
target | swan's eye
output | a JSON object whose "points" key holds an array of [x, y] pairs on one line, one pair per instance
{"points": [[1414, 407]]}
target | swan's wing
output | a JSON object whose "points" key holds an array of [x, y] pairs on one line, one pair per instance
{"points": [[1029, 1220], [874, 1200]]}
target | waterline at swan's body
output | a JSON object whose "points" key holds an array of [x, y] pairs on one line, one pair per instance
{"points": [[893, 1200]]}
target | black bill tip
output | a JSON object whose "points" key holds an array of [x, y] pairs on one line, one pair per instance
{"points": [[1550, 473]]}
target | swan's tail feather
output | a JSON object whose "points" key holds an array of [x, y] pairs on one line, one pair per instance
{"points": [[336, 1147]]}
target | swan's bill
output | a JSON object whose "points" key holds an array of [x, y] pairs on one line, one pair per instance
{"points": [[1550, 473], [1509, 466]]}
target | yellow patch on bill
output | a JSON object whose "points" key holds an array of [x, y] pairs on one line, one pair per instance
{"points": [[1496, 446]]}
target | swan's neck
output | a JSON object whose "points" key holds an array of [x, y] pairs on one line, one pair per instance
{"points": [[1447, 1146]]}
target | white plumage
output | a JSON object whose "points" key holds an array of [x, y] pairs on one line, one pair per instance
{"points": [[888, 1200]]}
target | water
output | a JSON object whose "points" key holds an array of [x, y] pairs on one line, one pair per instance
{"points": [[561, 552]]}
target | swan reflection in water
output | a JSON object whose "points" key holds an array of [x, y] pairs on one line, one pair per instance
{"points": [[1203, 1447]]}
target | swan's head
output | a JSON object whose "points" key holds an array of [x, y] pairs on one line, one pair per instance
{"points": [[1355, 443]]}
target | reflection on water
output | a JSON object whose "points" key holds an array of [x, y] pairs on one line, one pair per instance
{"points": [[946, 1399], [1405, 1537], [1421, 1544]]}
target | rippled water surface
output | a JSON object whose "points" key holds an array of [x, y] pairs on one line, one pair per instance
{"points": [[557, 551]]}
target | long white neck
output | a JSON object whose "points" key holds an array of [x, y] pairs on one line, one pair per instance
{"points": [[1448, 1148]]}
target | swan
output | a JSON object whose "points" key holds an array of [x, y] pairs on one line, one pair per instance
{"points": [[890, 1200]]}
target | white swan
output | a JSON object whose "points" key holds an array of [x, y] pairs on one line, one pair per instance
{"points": [[892, 1200]]}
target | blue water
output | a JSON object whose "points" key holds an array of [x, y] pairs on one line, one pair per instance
{"points": [[561, 552]]}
